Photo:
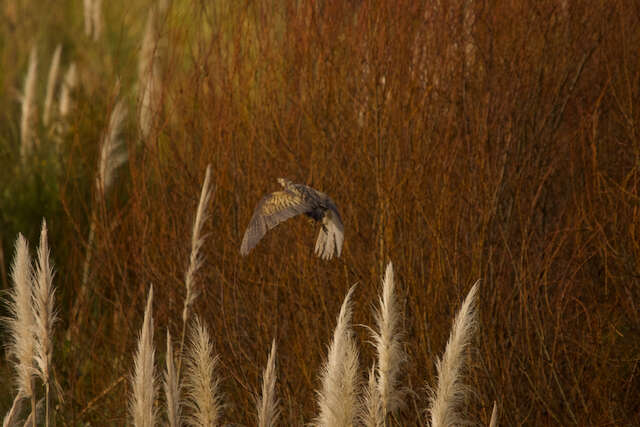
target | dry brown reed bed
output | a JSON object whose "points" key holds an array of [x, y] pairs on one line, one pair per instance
{"points": [[514, 161]]}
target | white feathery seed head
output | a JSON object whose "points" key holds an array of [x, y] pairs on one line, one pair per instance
{"points": [[68, 85], [391, 355], [171, 385], [268, 411], [197, 240], [388, 394], [450, 392], [96, 19], [149, 70], [51, 84], [28, 105], [372, 413], [338, 400], [21, 321], [43, 308], [151, 47], [148, 47], [494, 415], [150, 95], [112, 151], [143, 381], [163, 8], [202, 387], [88, 17]]}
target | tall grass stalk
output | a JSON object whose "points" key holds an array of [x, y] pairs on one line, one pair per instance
{"points": [[28, 106], [195, 259], [268, 403], [51, 85], [35, 417], [203, 396], [21, 324], [44, 315], [11, 418], [338, 400], [143, 381], [171, 385], [450, 392], [112, 155], [390, 356]]}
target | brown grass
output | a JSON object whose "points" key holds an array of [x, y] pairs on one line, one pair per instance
{"points": [[515, 161]]}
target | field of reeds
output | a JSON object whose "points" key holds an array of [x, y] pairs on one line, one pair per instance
{"points": [[461, 140]]}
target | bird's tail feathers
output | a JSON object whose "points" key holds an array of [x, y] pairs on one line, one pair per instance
{"points": [[330, 237], [321, 242]]}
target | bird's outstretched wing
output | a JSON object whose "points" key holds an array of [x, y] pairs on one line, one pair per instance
{"points": [[331, 235], [273, 209]]}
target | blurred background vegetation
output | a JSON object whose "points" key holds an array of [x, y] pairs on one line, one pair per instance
{"points": [[460, 140]]}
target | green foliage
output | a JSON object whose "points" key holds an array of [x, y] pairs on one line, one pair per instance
{"points": [[31, 192]]}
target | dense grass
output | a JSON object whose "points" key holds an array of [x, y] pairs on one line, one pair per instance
{"points": [[462, 140]]}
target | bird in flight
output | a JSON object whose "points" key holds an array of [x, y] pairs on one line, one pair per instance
{"points": [[296, 199]]}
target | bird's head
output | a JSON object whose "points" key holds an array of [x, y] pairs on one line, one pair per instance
{"points": [[284, 182]]}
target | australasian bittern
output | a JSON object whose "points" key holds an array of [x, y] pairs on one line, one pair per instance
{"points": [[296, 199]]}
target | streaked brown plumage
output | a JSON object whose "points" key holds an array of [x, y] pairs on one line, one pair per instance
{"points": [[296, 199]]}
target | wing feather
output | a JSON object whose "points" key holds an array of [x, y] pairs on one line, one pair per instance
{"points": [[273, 209]]}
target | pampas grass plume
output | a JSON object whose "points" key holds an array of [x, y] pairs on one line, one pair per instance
{"points": [[494, 415], [69, 82], [338, 399], [389, 349], [21, 321], [96, 19], [450, 392], [195, 260], [92, 12], [112, 152], [44, 315], [390, 356], [197, 239], [51, 84], [149, 70], [171, 387], [143, 381], [372, 414], [148, 47], [112, 155], [28, 105], [148, 104], [268, 411], [87, 8], [200, 382], [43, 307]]}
